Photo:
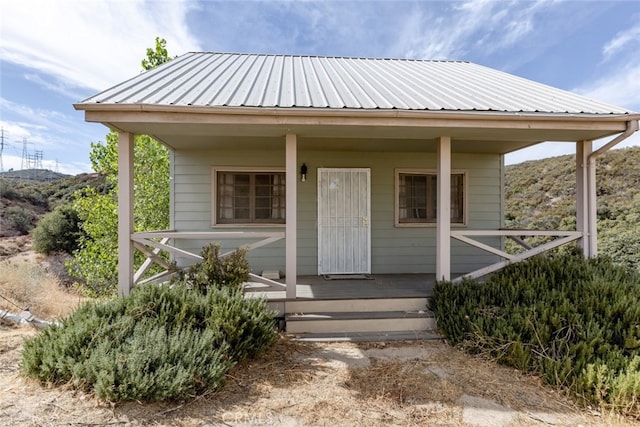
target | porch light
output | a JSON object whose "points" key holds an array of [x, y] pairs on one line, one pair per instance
{"points": [[303, 172]]}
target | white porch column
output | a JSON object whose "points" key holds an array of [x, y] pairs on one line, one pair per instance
{"points": [[443, 220], [583, 150], [125, 212], [291, 242], [592, 218]]}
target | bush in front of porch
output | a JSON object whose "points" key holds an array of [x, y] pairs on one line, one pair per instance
{"points": [[574, 322], [169, 342]]}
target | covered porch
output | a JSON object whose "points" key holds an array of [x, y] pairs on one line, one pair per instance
{"points": [[291, 287], [383, 119]]}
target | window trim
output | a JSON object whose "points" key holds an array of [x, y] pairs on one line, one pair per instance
{"points": [[214, 195], [412, 171]]}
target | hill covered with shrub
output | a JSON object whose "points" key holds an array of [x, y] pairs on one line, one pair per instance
{"points": [[541, 194], [26, 197]]}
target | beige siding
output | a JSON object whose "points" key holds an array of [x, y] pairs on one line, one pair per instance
{"points": [[394, 249]]}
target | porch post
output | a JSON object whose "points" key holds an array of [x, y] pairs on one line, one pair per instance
{"points": [[291, 243], [592, 218], [125, 212], [443, 220], [583, 150]]}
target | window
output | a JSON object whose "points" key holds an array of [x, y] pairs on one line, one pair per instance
{"points": [[246, 197], [416, 201]]}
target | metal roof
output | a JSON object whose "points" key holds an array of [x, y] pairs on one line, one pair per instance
{"points": [[283, 81]]}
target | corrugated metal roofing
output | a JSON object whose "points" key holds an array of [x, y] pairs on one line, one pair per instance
{"points": [[251, 80]]}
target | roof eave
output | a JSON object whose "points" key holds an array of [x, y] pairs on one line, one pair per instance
{"points": [[117, 115], [356, 112]]}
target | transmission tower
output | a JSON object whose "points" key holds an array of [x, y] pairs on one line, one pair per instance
{"points": [[24, 164], [1, 148], [38, 156]]}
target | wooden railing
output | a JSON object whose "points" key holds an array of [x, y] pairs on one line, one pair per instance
{"points": [[559, 238], [151, 243]]}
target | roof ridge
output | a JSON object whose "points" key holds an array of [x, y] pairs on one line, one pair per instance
{"points": [[370, 58]]}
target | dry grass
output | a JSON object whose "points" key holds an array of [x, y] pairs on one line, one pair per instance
{"points": [[27, 284], [293, 384]]}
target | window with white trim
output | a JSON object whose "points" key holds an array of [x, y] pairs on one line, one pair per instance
{"points": [[416, 197], [249, 197]]}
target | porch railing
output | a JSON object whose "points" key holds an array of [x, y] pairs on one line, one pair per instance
{"points": [[468, 236], [151, 243]]}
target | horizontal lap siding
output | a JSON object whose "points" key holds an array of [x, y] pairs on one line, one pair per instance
{"points": [[193, 193], [394, 249]]}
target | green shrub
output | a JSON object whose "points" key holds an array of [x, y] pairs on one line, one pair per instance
{"points": [[229, 271], [57, 231], [575, 322], [621, 241], [7, 190], [161, 342], [20, 219]]}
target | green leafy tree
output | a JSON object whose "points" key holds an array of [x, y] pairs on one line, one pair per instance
{"points": [[96, 259], [157, 56]]}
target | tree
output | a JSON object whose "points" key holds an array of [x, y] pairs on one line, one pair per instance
{"points": [[156, 57], [96, 260]]}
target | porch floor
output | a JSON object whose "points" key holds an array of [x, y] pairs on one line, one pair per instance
{"points": [[376, 286]]}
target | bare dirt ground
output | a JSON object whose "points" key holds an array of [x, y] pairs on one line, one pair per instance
{"points": [[301, 384]]}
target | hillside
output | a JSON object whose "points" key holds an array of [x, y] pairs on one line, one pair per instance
{"points": [[27, 195], [541, 194], [39, 175]]}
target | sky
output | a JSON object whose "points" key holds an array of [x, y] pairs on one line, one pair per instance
{"points": [[54, 53]]}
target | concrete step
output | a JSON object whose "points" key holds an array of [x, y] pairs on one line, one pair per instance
{"points": [[305, 317], [355, 305], [367, 336], [358, 322]]}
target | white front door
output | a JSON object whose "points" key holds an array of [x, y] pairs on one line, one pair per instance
{"points": [[344, 233]]}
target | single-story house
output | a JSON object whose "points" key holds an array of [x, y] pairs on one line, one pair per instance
{"points": [[344, 166]]}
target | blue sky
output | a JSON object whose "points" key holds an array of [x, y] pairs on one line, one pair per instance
{"points": [[57, 52]]}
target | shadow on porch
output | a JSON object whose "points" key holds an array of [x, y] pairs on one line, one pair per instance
{"points": [[373, 287]]}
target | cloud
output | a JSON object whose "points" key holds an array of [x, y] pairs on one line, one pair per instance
{"points": [[621, 86], [619, 82], [56, 135], [90, 44], [626, 39], [14, 131], [463, 27], [11, 162], [54, 85], [38, 125]]}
